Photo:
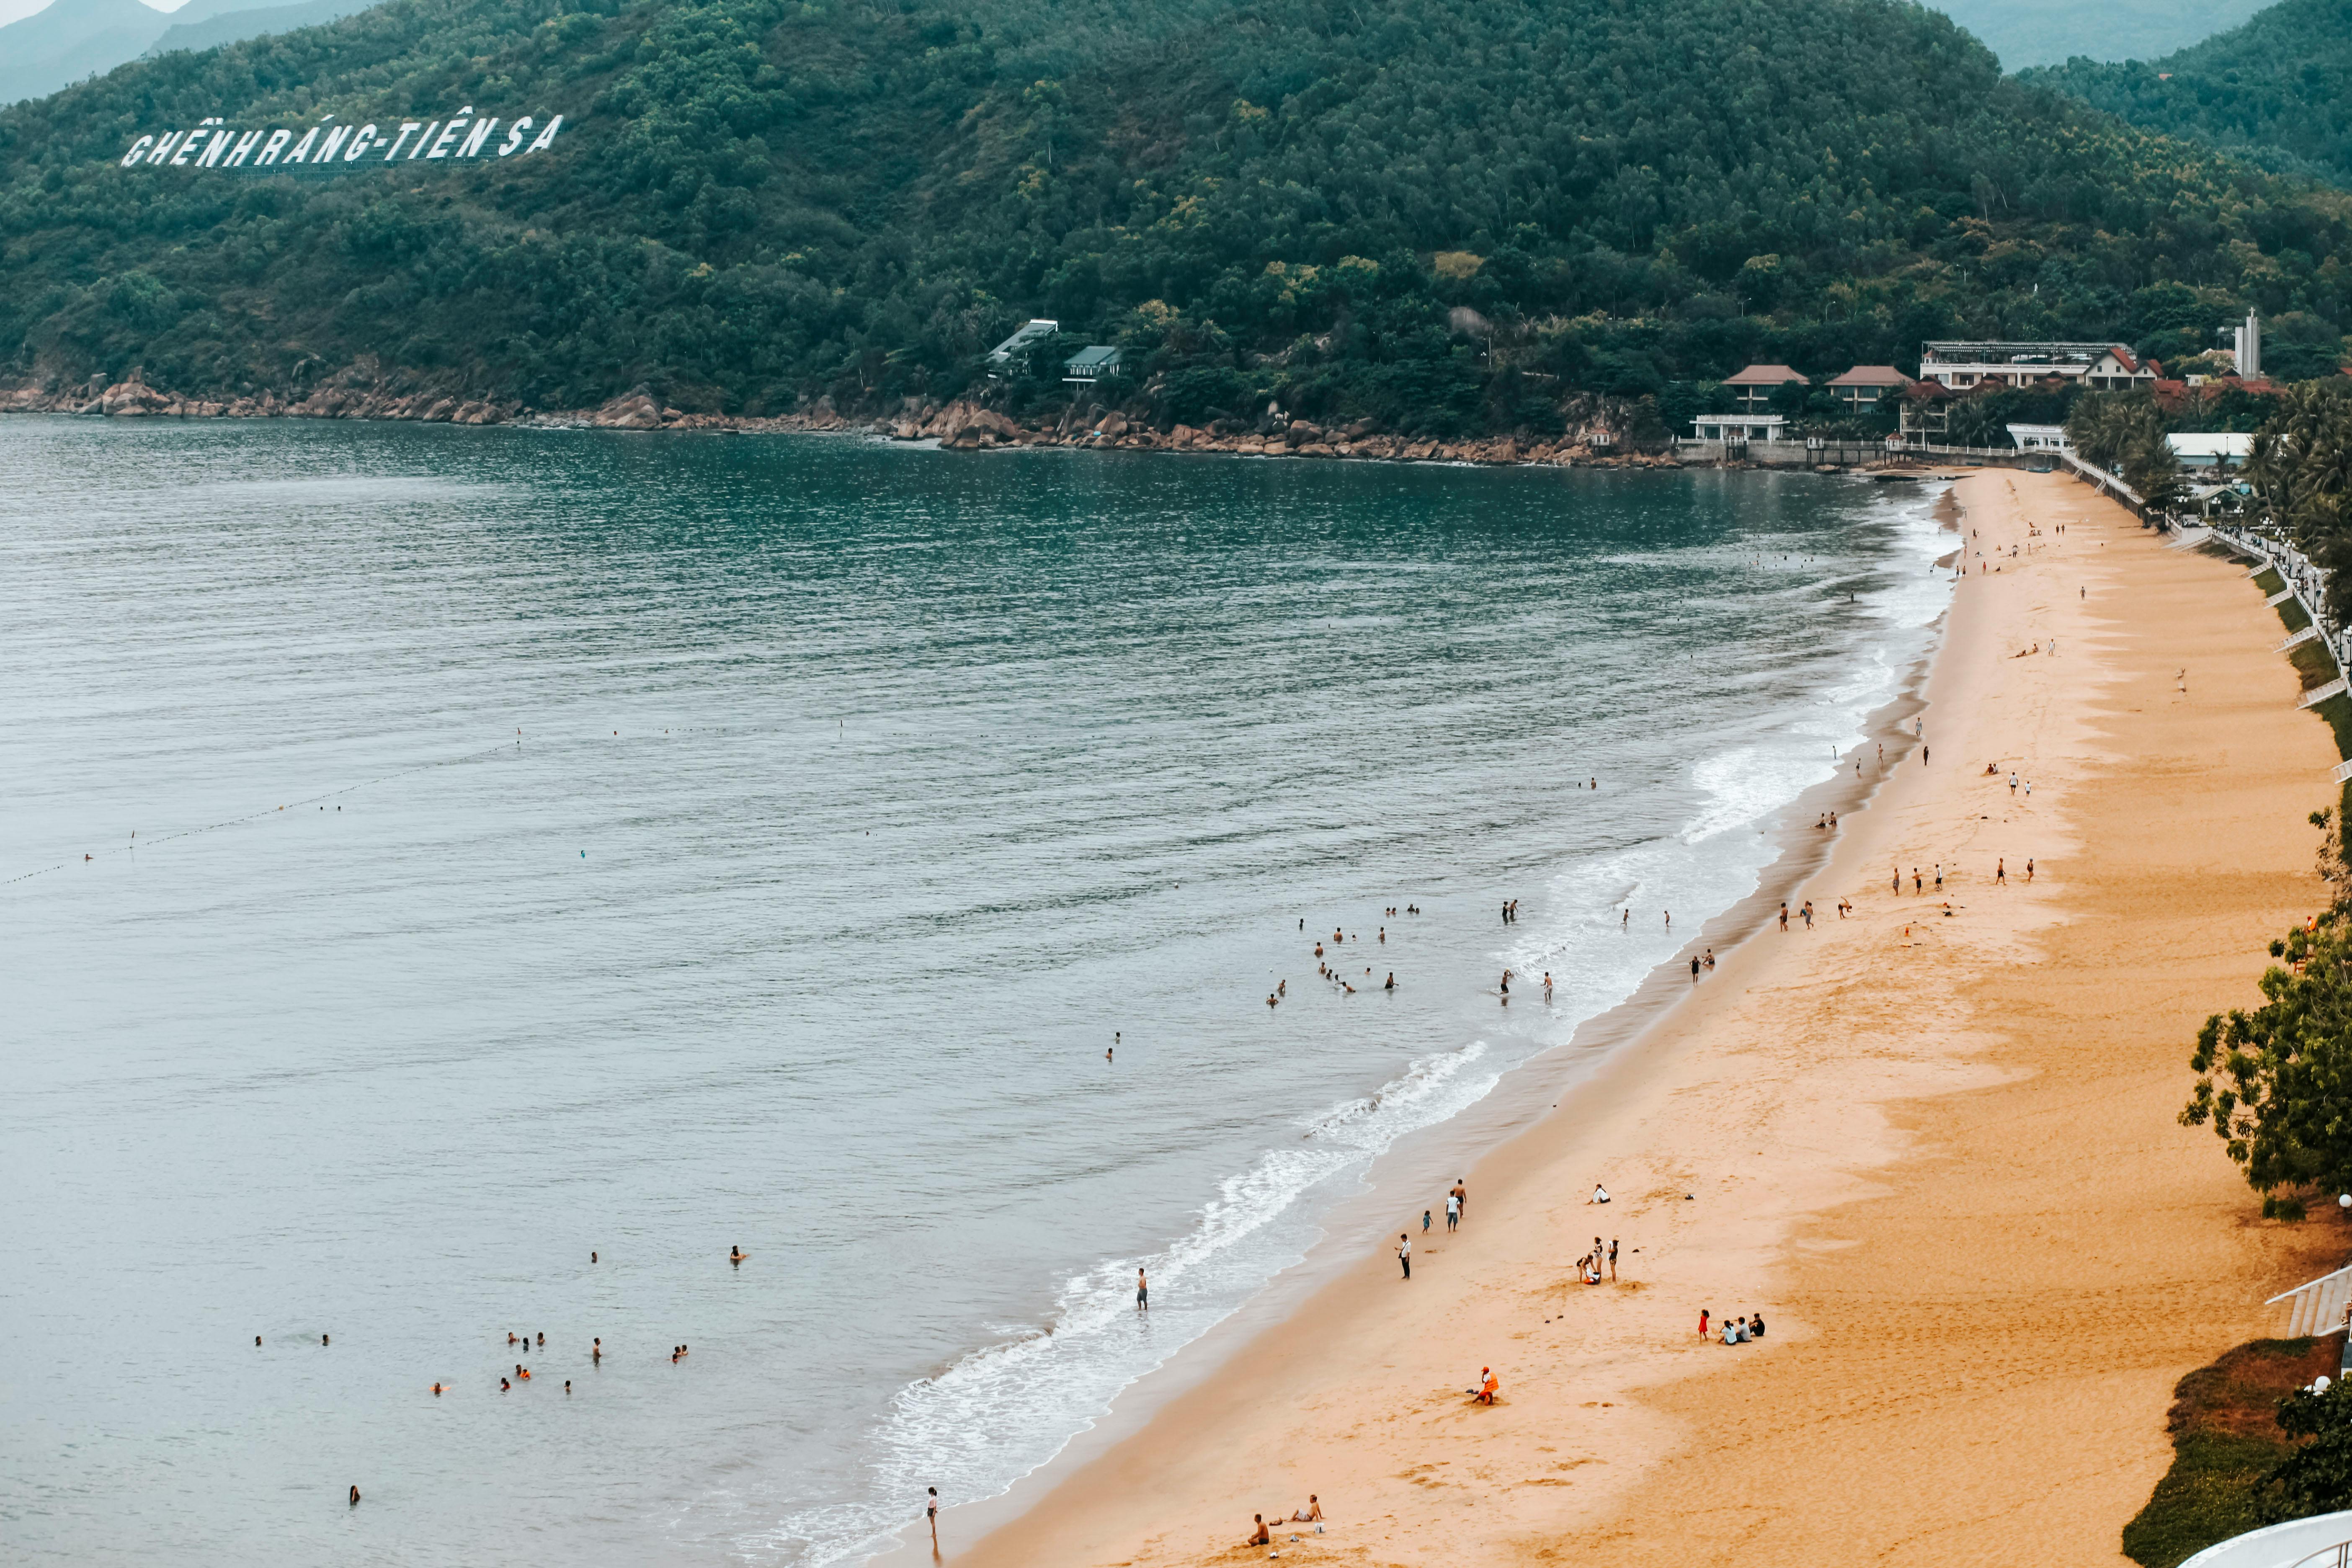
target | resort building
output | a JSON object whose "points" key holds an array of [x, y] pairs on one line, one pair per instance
{"points": [[1861, 387], [1737, 427], [1755, 385], [2216, 449], [1095, 362], [1029, 334], [2040, 437], [2104, 367]]}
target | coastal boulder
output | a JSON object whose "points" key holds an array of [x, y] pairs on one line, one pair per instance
{"points": [[632, 410], [131, 397]]}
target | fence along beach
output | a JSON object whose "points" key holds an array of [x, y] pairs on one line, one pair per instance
{"points": [[1932, 1142]]}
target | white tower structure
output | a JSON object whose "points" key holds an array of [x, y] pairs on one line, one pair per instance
{"points": [[2249, 348]]}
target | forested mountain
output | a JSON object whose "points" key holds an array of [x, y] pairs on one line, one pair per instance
{"points": [[2276, 91], [1438, 214], [71, 39]]}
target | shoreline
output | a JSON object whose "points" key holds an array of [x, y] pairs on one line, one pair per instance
{"points": [[1534, 1094], [959, 425], [1354, 1393]]}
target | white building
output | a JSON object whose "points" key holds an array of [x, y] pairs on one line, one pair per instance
{"points": [[1029, 334], [2249, 350], [2040, 437], [2105, 367], [2218, 449], [1739, 426]]}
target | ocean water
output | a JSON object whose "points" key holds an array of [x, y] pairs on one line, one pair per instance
{"points": [[431, 855]]}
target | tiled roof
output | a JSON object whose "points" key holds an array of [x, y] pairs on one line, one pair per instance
{"points": [[1763, 375], [1872, 375]]}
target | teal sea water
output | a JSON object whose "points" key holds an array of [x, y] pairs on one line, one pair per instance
{"points": [[553, 842]]}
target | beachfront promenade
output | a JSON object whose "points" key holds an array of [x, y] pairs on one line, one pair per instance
{"points": [[1935, 1141]]}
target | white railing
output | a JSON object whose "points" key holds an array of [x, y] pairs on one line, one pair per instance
{"points": [[2317, 1307]]}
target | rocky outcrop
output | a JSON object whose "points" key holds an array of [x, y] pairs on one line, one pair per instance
{"points": [[364, 389], [632, 410], [132, 398]]}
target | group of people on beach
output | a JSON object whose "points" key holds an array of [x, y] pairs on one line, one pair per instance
{"points": [[1263, 1534], [1745, 1329]]}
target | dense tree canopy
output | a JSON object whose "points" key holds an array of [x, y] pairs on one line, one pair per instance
{"points": [[1436, 214], [2276, 90]]}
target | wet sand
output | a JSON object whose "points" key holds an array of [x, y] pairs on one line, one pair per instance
{"points": [[1937, 1151]]}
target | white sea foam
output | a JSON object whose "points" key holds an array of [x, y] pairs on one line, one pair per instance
{"points": [[1002, 1411]]}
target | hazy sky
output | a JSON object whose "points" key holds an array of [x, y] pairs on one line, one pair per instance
{"points": [[10, 10]]}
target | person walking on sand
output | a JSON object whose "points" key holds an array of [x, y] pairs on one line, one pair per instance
{"points": [[931, 1512], [1702, 1322], [2001, 873], [1453, 1212], [1784, 917], [2028, 868], [1461, 1195], [1612, 1260], [1404, 1253]]}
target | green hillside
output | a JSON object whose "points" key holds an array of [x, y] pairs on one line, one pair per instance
{"points": [[2276, 90], [1436, 214]]}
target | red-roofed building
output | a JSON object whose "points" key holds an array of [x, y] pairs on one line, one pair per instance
{"points": [[2104, 367], [1755, 385], [1863, 386]]}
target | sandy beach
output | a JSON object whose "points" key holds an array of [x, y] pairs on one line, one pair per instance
{"points": [[1936, 1150]]}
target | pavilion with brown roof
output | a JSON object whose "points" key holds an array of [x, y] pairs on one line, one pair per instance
{"points": [[1864, 385], [1755, 385]]}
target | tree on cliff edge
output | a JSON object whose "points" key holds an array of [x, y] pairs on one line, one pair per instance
{"points": [[2275, 1083]]}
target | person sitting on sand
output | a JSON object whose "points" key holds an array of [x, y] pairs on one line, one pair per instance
{"points": [[1264, 1537], [1311, 1514], [1490, 1387], [1756, 1327]]}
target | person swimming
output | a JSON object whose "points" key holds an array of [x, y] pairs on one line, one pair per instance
{"points": [[737, 1255]]}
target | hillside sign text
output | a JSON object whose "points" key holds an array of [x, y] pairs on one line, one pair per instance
{"points": [[215, 144]]}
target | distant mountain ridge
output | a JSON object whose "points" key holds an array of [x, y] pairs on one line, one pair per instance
{"points": [[2276, 90], [237, 20], [2048, 32], [73, 39]]}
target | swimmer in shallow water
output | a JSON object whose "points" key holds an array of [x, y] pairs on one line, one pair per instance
{"points": [[737, 1255]]}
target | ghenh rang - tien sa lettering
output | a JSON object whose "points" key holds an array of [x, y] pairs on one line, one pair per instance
{"points": [[214, 144]]}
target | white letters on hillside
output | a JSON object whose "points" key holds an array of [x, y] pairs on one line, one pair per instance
{"points": [[214, 144]]}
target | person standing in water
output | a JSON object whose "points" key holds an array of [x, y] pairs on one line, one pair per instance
{"points": [[931, 1512], [1143, 1293]]}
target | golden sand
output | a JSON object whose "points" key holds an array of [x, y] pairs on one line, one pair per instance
{"points": [[1937, 1151]]}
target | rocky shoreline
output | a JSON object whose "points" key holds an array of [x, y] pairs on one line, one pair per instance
{"points": [[364, 392]]}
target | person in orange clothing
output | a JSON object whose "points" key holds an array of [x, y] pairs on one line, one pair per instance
{"points": [[1489, 1387]]}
